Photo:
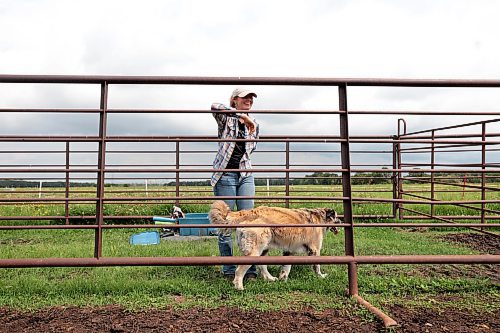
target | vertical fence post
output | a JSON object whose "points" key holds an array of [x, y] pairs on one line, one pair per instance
{"points": [[66, 193], [433, 162], [287, 174], [483, 174], [400, 182], [177, 176], [395, 178], [101, 165], [400, 173], [346, 189]]}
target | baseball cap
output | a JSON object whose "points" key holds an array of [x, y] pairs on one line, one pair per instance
{"points": [[241, 92]]}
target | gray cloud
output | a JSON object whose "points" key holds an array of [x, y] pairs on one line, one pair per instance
{"points": [[389, 39]]}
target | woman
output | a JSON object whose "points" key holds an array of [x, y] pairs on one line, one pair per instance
{"points": [[235, 155]]}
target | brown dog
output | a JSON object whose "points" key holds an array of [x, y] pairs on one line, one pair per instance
{"points": [[256, 241]]}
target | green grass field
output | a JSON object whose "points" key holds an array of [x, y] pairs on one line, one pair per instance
{"points": [[163, 207], [203, 286], [185, 286]]}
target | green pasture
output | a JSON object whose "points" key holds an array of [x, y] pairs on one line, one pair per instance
{"points": [[186, 286], [155, 200], [139, 287]]}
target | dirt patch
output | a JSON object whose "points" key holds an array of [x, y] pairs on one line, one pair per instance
{"points": [[491, 272], [480, 242], [483, 243], [449, 320], [116, 319]]}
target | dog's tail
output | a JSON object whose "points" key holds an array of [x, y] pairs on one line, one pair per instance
{"points": [[218, 215]]}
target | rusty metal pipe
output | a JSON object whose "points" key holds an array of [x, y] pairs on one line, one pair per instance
{"points": [[285, 81], [142, 226], [388, 321], [240, 260]]}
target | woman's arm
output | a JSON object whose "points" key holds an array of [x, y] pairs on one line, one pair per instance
{"points": [[221, 116], [243, 117], [249, 123]]}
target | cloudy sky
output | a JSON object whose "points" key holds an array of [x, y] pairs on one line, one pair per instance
{"points": [[434, 39]]}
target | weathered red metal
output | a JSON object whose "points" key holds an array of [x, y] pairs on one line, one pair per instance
{"points": [[132, 226], [282, 81], [346, 190], [101, 165], [239, 260], [388, 321]]}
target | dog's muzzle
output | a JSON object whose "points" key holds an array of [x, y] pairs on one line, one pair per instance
{"points": [[334, 230]]}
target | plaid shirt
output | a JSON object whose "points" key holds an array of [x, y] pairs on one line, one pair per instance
{"points": [[228, 129]]}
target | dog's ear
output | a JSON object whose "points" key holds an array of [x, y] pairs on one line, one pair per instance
{"points": [[331, 214]]}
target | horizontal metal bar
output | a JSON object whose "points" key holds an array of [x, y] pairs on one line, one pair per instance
{"points": [[426, 113], [429, 141], [454, 217], [479, 229], [207, 80], [73, 200], [452, 127], [254, 111], [54, 110], [166, 170], [301, 198], [239, 260], [210, 170], [332, 139], [149, 217], [166, 111], [426, 201], [450, 135], [152, 199], [230, 226], [421, 171]]}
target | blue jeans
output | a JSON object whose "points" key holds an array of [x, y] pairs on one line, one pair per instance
{"points": [[230, 185]]}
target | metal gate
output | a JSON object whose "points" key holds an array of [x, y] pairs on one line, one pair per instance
{"points": [[406, 206]]}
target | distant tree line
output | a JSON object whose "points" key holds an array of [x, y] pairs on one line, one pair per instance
{"points": [[317, 178], [460, 177]]}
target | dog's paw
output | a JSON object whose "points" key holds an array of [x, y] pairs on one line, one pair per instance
{"points": [[270, 278], [238, 286], [322, 275], [283, 276]]}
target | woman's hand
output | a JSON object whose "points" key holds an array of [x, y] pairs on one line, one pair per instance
{"points": [[245, 119]]}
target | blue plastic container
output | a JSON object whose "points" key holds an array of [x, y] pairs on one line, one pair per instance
{"points": [[145, 238], [196, 218], [164, 220]]}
